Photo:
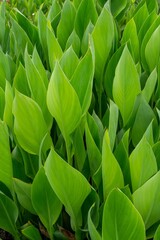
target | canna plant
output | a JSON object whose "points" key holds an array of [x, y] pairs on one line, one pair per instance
{"points": [[79, 119]]}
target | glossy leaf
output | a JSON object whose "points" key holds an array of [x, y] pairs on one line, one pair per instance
{"points": [[29, 124], [6, 171], [71, 193], [111, 172], [126, 86], [45, 201], [116, 224], [63, 102], [146, 200], [9, 215], [23, 191], [142, 164]]}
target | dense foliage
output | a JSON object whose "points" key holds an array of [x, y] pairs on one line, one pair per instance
{"points": [[80, 115]]}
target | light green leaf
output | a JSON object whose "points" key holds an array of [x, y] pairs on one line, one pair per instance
{"points": [[111, 172], [126, 86], [37, 88], [103, 37], [23, 191], [142, 164], [74, 41], [54, 49], [2, 103], [146, 199], [29, 124], [113, 123], [150, 85], [83, 85], [9, 215], [130, 34], [94, 234], [69, 62], [6, 172], [86, 12], [63, 102], [86, 37], [31, 233], [140, 16], [66, 24], [152, 50], [45, 201], [117, 6], [121, 220], [71, 193]]}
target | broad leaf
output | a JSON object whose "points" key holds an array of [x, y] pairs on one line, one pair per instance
{"points": [[29, 124], [82, 80], [126, 86], [74, 41], [63, 102], [23, 191], [147, 198], [45, 201], [111, 172], [157, 234], [103, 37], [117, 6], [121, 220], [8, 116], [69, 62], [9, 215], [32, 233], [142, 164], [86, 12], [150, 85], [6, 171], [71, 193], [66, 24]]}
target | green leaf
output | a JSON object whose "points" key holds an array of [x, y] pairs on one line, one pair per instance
{"points": [[142, 164], [113, 123], [157, 234], [121, 220], [74, 41], [130, 34], [86, 38], [69, 62], [150, 85], [103, 37], [71, 193], [152, 50], [6, 172], [86, 12], [31, 233], [126, 86], [20, 81], [117, 6], [23, 191], [111, 172], [146, 199], [9, 215], [63, 102], [66, 24], [37, 88], [45, 201], [29, 124], [8, 116], [54, 49], [2, 103], [140, 16], [139, 127], [94, 234], [83, 85]]}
